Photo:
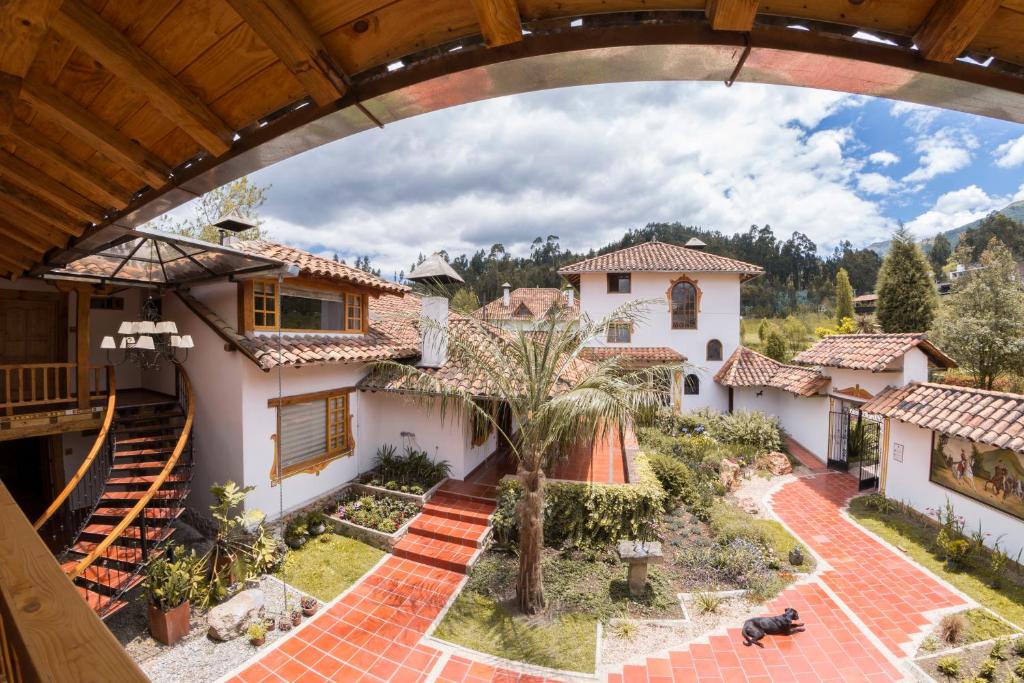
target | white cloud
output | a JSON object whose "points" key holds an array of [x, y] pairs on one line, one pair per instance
{"points": [[1010, 154], [953, 209], [919, 117], [944, 151], [876, 183], [883, 158], [582, 163]]}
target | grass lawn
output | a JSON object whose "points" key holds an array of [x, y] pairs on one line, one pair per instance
{"points": [[730, 521], [916, 538], [327, 565], [566, 641]]}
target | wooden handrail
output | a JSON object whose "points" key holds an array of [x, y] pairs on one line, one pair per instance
{"points": [[97, 446], [47, 632], [179, 447]]}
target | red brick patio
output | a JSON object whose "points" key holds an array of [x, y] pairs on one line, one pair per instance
{"points": [[376, 631]]}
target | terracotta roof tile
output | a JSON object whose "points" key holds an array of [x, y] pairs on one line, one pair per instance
{"points": [[747, 368], [661, 257], [384, 341], [989, 417], [529, 303], [317, 266], [643, 354], [874, 352]]}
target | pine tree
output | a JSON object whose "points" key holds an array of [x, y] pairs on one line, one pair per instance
{"points": [[939, 254], [775, 347], [762, 330], [465, 301], [844, 295], [906, 290]]}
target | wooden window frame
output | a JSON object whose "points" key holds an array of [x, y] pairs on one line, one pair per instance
{"points": [[707, 350], [332, 452], [248, 310], [629, 281], [252, 299], [683, 279], [619, 324]]}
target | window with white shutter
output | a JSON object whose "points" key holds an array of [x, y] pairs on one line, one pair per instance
{"points": [[314, 429]]}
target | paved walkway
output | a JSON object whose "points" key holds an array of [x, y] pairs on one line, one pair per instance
{"points": [[863, 611]]}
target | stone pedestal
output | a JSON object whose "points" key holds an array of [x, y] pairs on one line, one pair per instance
{"points": [[639, 555]]}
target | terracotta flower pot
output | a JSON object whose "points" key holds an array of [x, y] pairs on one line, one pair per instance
{"points": [[257, 642], [296, 618], [171, 626]]}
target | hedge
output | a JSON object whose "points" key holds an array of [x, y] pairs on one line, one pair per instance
{"points": [[583, 514]]}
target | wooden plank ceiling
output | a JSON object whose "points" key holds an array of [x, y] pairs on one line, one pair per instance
{"points": [[105, 104]]}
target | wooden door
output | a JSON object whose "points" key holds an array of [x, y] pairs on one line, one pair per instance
{"points": [[33, 327]]}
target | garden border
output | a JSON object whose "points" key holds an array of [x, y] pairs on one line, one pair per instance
{"points": [[421, 498], [378, 539]]}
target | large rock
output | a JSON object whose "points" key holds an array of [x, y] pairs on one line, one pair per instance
{"points": [[231, 619], [776, 463], [729, 474]]}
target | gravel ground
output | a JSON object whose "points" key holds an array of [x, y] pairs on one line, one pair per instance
{"points": [[753, 487], [641, 638], [196, 658]]}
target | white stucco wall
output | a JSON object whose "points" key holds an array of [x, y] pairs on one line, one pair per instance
{"points": [[718, 317], [908, 481], [874, 382], [805, 418], [915, 367], [386, 415]]}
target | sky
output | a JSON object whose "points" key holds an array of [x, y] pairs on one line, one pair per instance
{"points": [[588, 163]]}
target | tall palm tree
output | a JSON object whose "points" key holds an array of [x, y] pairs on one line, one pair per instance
{"points": [[555, 398]]}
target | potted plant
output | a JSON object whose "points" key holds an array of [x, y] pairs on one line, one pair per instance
{"points": [[171, 580], [284, 625], [308, 606], [296, 534], [257, 633], [316, 524]]}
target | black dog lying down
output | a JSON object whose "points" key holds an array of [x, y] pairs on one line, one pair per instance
{"points": [[757, 628]]}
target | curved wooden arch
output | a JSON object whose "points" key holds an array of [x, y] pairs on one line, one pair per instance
{"points": [[109, 118]]}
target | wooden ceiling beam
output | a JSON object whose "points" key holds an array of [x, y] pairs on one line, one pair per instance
{"points": [[17, 265], [950, 27], [281, 25], [38, 212], [10, 89], [731, 15], [35, 181], [84, 27], [500, 22], [99, 185], [23, 24], [28, 240], [96, 132]]}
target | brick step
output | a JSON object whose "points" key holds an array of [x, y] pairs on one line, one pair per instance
{"points": [[154, 513], [106, 578], [450, 531], [103, 605], [132, 533], [117, 496], [145, 480], [460, 510], [484, 493], [144, 452], [435, 553], [168, 424]]}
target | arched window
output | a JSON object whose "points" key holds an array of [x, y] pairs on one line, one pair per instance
{"points": [[691, 385], [714, 350], [684, 306]]}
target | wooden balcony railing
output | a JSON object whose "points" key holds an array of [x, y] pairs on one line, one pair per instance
{"points": [[33, 386], [47, 632]]}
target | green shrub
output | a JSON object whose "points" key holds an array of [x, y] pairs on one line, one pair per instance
{"points": [[707, 603], [764, 587], [675, 478], [585, 514], [1018, 647], [753, 429], [949, 666], [999, 649], [1018, 668], [412, 467], [987, 670]]}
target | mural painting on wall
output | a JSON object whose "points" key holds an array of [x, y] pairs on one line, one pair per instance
{"points": [[994, 476]]}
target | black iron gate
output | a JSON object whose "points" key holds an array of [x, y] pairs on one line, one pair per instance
{"points": [[856, 444]]}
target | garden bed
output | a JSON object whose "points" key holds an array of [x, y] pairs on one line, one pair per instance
{"points": [[377, 519], [363, 485], [998, 661]]}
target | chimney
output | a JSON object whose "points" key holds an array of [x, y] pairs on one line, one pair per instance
{"points": [[570, 296], [695, 244], [437, 277], [506, 298], [434, 334]]}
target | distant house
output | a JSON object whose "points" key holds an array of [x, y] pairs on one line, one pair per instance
{"points": [[529, 307], [865, 303]]}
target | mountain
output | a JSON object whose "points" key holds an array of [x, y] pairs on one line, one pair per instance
{"points": [[1014, 211]]}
